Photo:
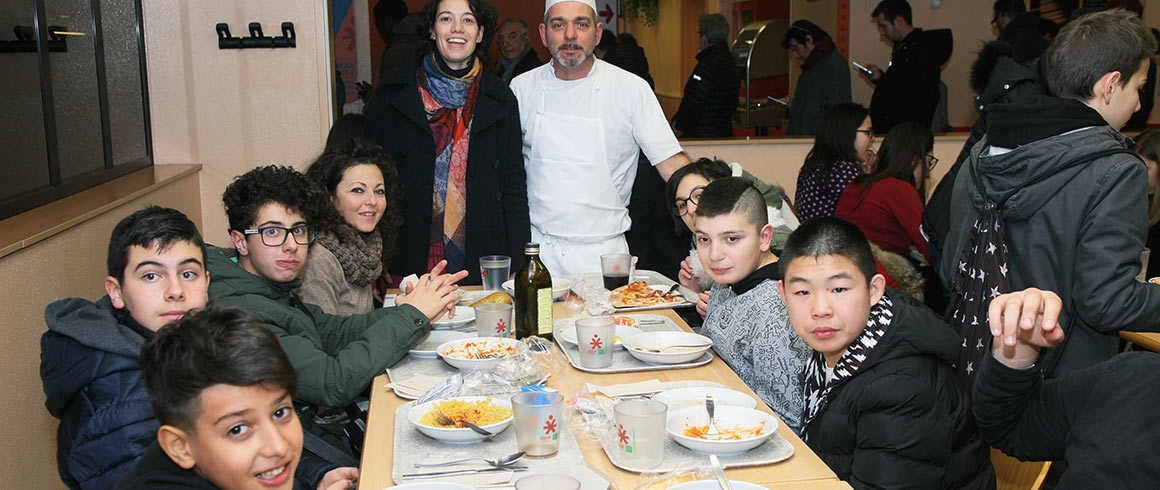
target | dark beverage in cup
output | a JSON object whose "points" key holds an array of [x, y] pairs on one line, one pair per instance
{"points": [[614, 281]]}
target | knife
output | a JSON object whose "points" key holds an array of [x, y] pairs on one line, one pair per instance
{"points": [[719, 472], [440, 474]]}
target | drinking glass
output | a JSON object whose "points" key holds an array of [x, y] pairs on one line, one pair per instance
{"points": [[494, 269], [494, 320], [595, 337], [537, 417], [640, 432], [615, 269]]}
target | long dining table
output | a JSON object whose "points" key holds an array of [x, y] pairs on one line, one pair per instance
{"points": [[799, 471]]}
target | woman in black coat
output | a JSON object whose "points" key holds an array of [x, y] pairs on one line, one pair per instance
{"points": [[454, 133]]}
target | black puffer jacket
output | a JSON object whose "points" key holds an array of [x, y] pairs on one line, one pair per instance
{"points": [[908, 90], [710, 95], [903, 420], [1079, 232], [1022, 33]]}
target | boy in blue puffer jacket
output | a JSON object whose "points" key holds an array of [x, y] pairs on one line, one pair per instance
{"points": [[89, 356]]}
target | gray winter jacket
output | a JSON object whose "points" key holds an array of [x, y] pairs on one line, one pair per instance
{"points": [[1078, 233]]}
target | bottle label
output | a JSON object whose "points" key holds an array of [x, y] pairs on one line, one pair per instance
{"points": [[544, 309]]}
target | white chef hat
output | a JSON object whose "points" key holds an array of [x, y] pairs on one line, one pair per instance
{"points": [[549, 3]]}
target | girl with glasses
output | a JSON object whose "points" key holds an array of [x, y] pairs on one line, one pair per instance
{"points": [[841, 152]]}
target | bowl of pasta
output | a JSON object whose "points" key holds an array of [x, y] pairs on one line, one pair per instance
{"points": [[477, 353], [491, 414], [740, 429]]}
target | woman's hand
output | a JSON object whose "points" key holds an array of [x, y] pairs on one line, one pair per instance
{"points": [[434, 294], [686, 278], [339, 479]]}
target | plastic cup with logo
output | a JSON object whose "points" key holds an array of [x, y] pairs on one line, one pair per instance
{"points": [[493, 320], [595, 337], [616, 270], [640, 432], [538, 421], [494, 270]]}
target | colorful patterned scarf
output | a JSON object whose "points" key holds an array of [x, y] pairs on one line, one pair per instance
{"points": [[817, 389], [450, 105]]}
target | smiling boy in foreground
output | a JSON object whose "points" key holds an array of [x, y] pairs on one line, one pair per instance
{"points": [[883, 407]]}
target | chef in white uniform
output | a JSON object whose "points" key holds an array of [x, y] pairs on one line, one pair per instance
{"points": [[584, 123]]}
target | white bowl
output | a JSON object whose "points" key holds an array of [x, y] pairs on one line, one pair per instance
{"points": [[559, 289], [695, 397], [484, 343], [426, 347], [568, 334], [657, 340], [432, 485], [713, 485], [726, 417], [457, 435], [463, 316]]}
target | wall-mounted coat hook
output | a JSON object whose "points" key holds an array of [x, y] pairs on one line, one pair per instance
{"points": [[256, 39], [26, 40]]}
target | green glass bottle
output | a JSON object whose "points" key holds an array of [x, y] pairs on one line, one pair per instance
{"points": [[533, 296]]}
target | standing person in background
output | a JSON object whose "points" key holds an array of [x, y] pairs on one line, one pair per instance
{"points": [[625, 53], [1019, 28], [841, 152], [710, 96], [357, 233], [908, 89], [1147, 145], [454, 133], [400, 31], [824, 81], [585, 123], [517, 55]]}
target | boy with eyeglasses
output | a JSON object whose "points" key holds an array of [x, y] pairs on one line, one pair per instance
{"points": [[336, 357]]}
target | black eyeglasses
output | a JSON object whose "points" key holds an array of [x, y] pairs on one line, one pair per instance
{"points": [[681, 204], [931, 161], [867, 132], [275, 236]]}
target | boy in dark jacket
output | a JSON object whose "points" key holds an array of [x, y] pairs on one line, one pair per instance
{"points": [[1101, 420], [746, 317], [1076, 229], [883, 407], [89, 356], [222, 388], [335, 356]]}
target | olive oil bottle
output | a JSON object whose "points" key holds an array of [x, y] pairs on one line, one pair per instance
{"points": [[533, 296]]}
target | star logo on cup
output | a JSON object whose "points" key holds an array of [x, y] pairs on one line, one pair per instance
{"points": [[500, 327], [550, 425], [596, 343], [622, 435]]}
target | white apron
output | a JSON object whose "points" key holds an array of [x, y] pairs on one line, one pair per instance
{"points": [[576, 211]]}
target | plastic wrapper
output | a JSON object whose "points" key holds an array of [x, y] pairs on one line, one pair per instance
{"points": [[591, 419], [526, 366], [683, 473], [596, 299]]}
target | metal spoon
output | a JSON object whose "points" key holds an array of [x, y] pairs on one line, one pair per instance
{"points": [[498, 462], [712, 434]]}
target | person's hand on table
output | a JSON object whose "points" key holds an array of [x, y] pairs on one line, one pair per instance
{"points": [[1022, 323], [703, 304], [339, 479], [434, 294], [686, 278]]}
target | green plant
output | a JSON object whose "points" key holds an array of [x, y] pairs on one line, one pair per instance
{"points": [[644, 11]]}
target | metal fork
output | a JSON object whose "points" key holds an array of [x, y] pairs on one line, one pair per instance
{"points": [[712, 434], [445, 420]]}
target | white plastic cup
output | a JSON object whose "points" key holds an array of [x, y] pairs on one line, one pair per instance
{"points": [[537, 416], [494, 270], [640, 432], [493, 320], [595, 337]]}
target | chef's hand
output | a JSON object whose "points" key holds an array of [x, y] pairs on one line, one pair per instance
{"points": [[686, 278], [703, 304], [1023, 322], [339, 479], [434, 294], [875, 72]]}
